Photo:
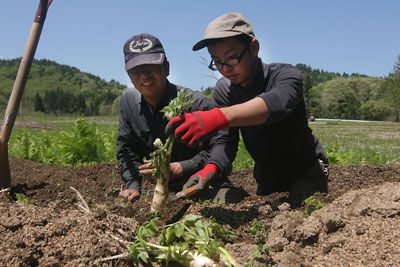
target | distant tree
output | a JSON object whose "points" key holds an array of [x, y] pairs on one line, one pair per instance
{"points": [[340, 102], [39, 105], [81, 104], [311, 78], [307, 85], [348, 98], [391, 90], [376, 110]]}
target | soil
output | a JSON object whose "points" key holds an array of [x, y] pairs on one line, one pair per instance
{"points": [[357, 227]]}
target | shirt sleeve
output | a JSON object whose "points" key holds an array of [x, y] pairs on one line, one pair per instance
{"points": [[285, 93], [128, 157], [196, 163], [224, 151], [213, 150]]}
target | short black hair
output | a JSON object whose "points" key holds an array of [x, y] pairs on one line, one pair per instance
{"points": [[244, 38]]}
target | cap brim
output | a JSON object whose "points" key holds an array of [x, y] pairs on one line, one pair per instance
{"points": [[224, 34], [153, 58]]}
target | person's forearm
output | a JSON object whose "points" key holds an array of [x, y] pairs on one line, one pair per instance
{"points": [[195, 163], [252, 112]]}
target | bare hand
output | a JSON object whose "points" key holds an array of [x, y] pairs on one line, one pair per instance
{"points": [[131, 194], [175, 169], [147, 169]]}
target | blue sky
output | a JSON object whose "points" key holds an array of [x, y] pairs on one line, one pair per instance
{"points": [[340, 36]]}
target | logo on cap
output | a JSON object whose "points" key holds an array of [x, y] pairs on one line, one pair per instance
{"points": [[138, 46]]}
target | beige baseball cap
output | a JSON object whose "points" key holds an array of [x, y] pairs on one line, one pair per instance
{"points": [[227, 25]]}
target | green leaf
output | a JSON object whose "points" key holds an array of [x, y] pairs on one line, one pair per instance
{"points": [[21, 198], [179, 230], [148, 229], [144, 256], [169, 235]]}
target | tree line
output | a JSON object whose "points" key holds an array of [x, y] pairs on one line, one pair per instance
{"points": [[54, 88], [355, 96]]}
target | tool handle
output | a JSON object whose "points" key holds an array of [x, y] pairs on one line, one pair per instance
{"points": [[190, 191], [187, 192]]}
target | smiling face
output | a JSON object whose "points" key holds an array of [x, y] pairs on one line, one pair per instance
{"points": [[229, 50], [150, 80]]}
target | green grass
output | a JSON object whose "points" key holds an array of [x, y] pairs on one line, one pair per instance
{"points": [[345, 142], [74, 142], [64, 122], [359, 142]]}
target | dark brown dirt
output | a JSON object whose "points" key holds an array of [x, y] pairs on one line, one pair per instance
{"points": [[52, 230]]}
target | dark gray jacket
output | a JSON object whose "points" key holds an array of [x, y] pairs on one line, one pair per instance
{"points": [[140, 125], [284, 147]]}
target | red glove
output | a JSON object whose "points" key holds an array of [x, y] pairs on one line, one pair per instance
{"points": [[202, 177], [190, 127]]}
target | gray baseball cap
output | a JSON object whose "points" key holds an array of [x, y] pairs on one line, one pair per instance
{"points": [[228, 25], [143, 49]]}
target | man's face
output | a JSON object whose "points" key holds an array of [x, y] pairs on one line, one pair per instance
{"points": [[232, 50], [150, 79]]}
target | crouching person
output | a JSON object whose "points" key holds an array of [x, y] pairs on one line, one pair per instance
{"points": [[265, 104], [141, 122]]}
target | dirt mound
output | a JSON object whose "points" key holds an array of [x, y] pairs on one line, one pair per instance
{"points": [[357, 226], [360, 228]]}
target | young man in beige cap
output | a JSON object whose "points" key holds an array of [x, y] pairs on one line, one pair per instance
{"points": [[265, 102]]}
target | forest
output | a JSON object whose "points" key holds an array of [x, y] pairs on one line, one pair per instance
{"points": [[53, 88]]}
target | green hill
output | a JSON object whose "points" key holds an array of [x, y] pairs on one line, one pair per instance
{"points": [[60, 89]]}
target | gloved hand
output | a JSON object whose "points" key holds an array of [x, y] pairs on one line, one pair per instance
{"points": [[202, 177], [190, 127]]}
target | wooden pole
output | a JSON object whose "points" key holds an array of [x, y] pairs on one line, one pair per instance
{"points": [[18, 90]]}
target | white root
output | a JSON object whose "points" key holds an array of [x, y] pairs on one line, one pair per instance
{"points": [[119, 256], [5, 190], [201, 261], [85, 206], [161, 159], [160, 197], [119, 240]]}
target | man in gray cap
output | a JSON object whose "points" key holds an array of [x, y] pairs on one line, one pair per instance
{"points": [[141, 122], [265, 103]]}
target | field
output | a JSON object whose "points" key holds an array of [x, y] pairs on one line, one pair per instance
{"points": [[46, 223]]}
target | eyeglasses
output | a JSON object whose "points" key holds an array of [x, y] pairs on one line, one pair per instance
{"points": [[230, 62]]}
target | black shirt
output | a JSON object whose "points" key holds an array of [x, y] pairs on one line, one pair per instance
{"points": [[284, 146], [140, 125]]}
